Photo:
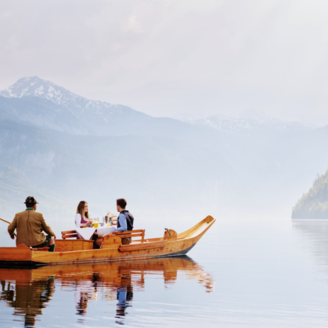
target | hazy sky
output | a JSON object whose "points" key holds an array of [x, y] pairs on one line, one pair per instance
{"points": [[167, 57]]}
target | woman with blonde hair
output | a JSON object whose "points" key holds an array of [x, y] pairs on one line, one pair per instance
{"points": [[82, 215]]}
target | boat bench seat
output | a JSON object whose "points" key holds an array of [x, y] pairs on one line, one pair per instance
{"points": [[132, 234], [69, 234]]}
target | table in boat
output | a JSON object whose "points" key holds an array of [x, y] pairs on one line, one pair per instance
{"points": [[87, 233]]}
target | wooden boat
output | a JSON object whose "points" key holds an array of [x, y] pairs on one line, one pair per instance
{"points": [[81, 251]]}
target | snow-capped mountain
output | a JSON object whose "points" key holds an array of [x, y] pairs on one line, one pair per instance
{"points": [[42, 89], [34, 86], [45, 104], [247, 124]]}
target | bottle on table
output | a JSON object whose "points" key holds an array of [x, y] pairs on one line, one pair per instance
{"points": [[109, 219]]}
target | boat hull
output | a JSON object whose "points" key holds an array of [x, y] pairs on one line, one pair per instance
{"points": [[79, 251]]}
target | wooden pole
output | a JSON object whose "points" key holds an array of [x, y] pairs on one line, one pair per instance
{"points": [[8, 223], [5, 221]]}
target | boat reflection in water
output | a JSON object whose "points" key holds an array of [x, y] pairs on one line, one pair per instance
{"points": [[29, 291], [28, 298]]}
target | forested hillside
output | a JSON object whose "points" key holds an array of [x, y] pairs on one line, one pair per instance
{"points": [[314, 204]]}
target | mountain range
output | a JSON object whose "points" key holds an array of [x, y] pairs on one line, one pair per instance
{"points": [[64, 148], [248, 124], [72, 148]]}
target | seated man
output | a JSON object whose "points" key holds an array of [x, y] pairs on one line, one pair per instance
{"points": [[124, 221], [29, 225]]}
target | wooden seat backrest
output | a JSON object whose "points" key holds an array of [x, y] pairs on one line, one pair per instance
{"points": [[133, 233], [69, 234]]}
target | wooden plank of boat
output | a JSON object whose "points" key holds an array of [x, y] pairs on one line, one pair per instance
{"points": [[19, 253], [64, 245], [142, 246]]}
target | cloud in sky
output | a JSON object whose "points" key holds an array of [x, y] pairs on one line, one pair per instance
{"points": [[171, 57]]}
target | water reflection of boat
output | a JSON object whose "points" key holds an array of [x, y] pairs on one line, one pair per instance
{"points": [[28, 299], [28, 291], [75, 251]]}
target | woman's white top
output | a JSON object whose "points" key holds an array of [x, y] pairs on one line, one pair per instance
{"points": [[78, 220]]}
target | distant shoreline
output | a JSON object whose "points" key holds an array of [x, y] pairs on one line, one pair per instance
{"points": [[310, 219]]}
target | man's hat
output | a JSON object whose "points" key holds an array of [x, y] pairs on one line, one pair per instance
{"points": [[30, 200]]}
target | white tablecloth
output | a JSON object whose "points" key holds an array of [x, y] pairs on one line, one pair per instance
{"points": [[86, 233]]}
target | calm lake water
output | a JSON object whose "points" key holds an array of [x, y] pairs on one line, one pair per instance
{"points": [[241, 274]]}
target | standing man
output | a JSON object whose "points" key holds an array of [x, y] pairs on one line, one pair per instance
{"points": [[125, 219], [29, 225]]}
